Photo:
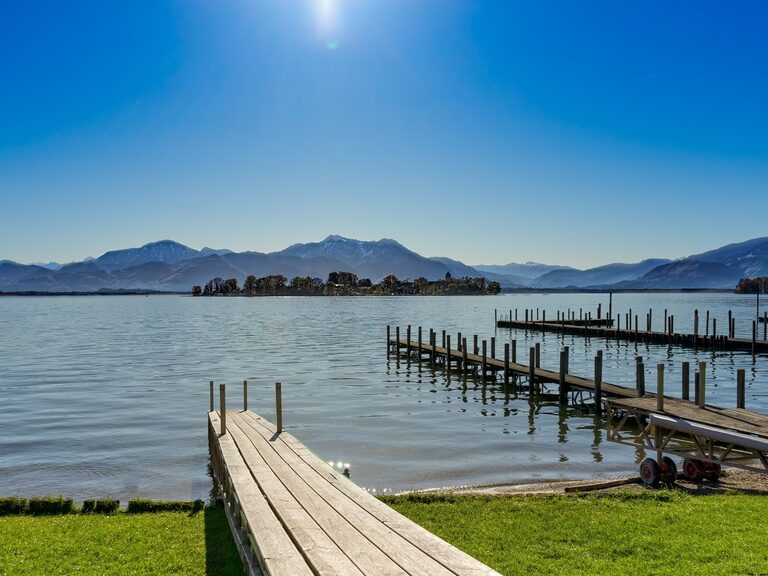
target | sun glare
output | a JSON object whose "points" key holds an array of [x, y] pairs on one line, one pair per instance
{"points": [[328, 22]]}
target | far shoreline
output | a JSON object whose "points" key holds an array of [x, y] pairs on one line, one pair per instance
{"points": [[503, 292]]}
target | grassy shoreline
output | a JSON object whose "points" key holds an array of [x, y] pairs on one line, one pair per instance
{"points": [[623, 532], [619, 532]]}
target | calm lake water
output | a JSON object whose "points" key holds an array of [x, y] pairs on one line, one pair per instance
{"points": [[107, 396]]}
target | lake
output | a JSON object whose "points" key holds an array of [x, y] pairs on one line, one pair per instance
{"points": [[106, 396]]}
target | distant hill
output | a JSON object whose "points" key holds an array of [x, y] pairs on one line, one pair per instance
{"points": [[374, 259], [170, 266], [528, 270], [599, 276], [166, 251], [687, 273]]}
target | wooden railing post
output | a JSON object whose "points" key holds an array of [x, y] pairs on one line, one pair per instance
{"points": [[686, 386], [279, 406], [223, 409], [702, 383], [640, 378]]}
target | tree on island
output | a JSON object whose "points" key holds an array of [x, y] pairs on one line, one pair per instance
{"points": [[753, 285]]}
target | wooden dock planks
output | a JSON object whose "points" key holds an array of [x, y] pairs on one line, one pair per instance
{"points": [[540, 374], [334, 526]]}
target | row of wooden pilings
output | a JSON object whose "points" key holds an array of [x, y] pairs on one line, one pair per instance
{"points": [[565, 323], [223, 404], [480, 348]]}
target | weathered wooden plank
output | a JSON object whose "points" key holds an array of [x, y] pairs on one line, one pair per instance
{"points": [[410, 557], [321, 552], [277, 554], [351, 543], [446, 554]]}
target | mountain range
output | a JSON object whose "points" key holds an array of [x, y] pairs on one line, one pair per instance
{"points": [[170, 266]]}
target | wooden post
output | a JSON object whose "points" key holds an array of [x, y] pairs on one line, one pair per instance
{"points": [[495, 316], [702, 383], [754, 336], [599, 310], [408, 337], [419, 331], [599, 381], [610, 304], [514, 351], [740, 388], [567, 351], [707, 334], [458, 342], [464, 364], [397, 338], [526, 315], [696, 328], [448, 351], [211, 410], [389, 339], [432, 345], [765, 325], [506, 364], [650, 319], [476, 349], [696, 387], [730, 324], [563, 391], [245, 395], [485, 359], [531, 368], [714, 331], [686, 386], [640, 378], [515, 314], [660, 387], [279, 406], [223, 408], [443, 339], [493, 347], [537, 347], [733, 327]]}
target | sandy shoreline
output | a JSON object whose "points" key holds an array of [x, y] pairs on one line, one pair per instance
{"points": [[731, 480]]}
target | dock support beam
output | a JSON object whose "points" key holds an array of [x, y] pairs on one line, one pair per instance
{"points": [[279, 406]]}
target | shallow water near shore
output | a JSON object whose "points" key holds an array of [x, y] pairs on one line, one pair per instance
{"points": [[107, 396]]}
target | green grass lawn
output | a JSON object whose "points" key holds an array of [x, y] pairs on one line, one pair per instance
{"points": [[621, 533], [153, 543]]}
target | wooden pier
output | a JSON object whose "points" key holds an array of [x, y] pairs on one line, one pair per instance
{"points": [[612, 330], [292, 514], [705, 435]]}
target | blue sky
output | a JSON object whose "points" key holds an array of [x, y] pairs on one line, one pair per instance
{"points": [[488, 131]]}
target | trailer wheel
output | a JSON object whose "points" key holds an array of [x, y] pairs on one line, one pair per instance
{"points": [[693, 469], [668, 470], [712, 471], [650, 472]]}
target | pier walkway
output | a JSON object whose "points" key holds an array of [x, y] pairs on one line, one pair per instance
{"points": [[292, 514]]}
